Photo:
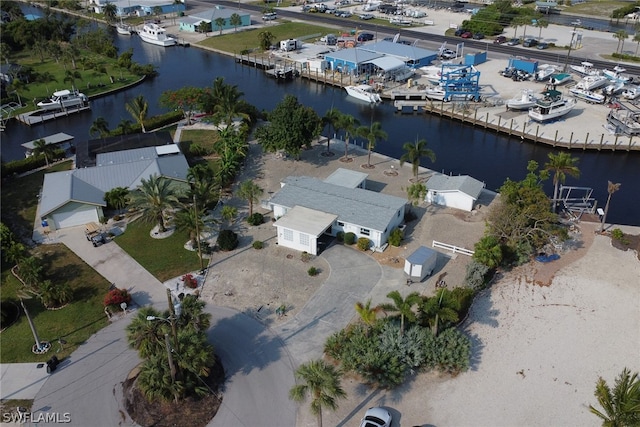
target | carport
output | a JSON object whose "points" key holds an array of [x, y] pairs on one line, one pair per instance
{"points": [[389, 67], [300, 228]]}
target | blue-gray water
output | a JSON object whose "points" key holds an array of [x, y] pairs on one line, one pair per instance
{"points": [[460, 149]]}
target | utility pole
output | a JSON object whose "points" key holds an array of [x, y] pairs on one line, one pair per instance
{"points": [[172, 321], [195, 214], [566, 61]]}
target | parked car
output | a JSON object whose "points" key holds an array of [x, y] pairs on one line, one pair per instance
{"points": [[543, 45], [376, 417], [460, 31], [447, 54], [270, 16], [365, 37], [366, 16], [478, 36], [500, 40], [530, 43], [466, 35], [405, 42], [513, 42]]}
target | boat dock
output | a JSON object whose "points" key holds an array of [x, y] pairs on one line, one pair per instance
{"points": [[40, 116], [59, 139]]}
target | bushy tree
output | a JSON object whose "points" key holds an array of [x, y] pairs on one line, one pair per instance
{"points": [[476, 275], [227, 240]]}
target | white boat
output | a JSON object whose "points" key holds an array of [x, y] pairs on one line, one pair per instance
{"points": [[613, 89], [632, 92], [363, 93], [592, 82], [544, 72], [400, 21], [551, 106], [523, 102], [123, 29], [560, 78], [155, 34], [63, 99], [624, 121], [435, 93], [587, 95], [433, 73], [617, 75], [585, 69]]}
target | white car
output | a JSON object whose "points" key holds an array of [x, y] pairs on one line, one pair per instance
{"points": [[376, 417]]}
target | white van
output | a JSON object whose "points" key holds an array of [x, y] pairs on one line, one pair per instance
{"points": [[270, 16]]}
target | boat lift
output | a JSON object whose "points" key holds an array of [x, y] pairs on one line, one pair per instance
{"points": [[579, 205], [6, 111]]}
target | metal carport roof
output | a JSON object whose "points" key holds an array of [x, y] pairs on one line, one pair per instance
{"points": [[387, 63]]}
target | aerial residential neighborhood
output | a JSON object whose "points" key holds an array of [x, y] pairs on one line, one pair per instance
{"points": [[230, 253]]}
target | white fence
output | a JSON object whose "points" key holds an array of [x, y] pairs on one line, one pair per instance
{"points": [[454, 249]]}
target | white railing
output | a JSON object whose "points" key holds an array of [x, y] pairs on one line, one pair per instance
{"points": [[452, 248]]}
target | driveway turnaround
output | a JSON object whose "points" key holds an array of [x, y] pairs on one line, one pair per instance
{"points": [[353, 276]]}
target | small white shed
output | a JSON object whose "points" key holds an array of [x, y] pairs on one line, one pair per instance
{"points": [[421, 262], [460, 192]]}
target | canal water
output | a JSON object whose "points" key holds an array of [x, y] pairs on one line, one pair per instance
{"points": [[460, 149]]}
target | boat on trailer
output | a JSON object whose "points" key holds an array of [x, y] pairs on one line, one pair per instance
{"points": [[525, 101], [551, 105], [587, 95], [585, 69]]}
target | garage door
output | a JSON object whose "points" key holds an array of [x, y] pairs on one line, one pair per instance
{"points": [[81, 215]]}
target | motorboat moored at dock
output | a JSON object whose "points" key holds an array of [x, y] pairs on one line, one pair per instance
{"points": [[63, 99], [363, 93], [155, 34]]}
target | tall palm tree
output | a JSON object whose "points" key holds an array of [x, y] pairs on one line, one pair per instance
{"points": [[541, 23], [109, 10], [442, 307], [138, 108], [153, 198], [331, 119], [413, 152], [621, 36], [621, 405], [372, 134], [611, 188], [561, 164], [367, 313], [402, 307], [350, 125], [251, 192], [41, 147], [235, 20], [99, 126], [321, 382], [204, 186], [190, 219]]}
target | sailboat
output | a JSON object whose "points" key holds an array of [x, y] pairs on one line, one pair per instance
{"points": [[123, 29]]}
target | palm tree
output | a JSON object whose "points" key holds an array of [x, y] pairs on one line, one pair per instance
{"points": [[55, 295], [622, 404], [153, 197], [99, 126], [621, 36], [124, 127], [228, 103], [70, 76], [138, 109], [541, 23], [372, 134], [220, 23], [442, 307], [251, 192], [117, 198], [611, 188], [402, 307], [190, 220], [350, 125], [321, 382], [109, 10], [235, 20], [561, 164], [266, 38], [331, 118], [41, 147], [205, 188], [367, 313], [228, 214], [416, 193], [414, 152], [144, 335]]}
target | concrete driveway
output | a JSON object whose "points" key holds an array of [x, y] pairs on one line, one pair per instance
{"points": [[352, 277]]}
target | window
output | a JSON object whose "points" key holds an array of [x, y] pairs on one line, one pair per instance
{"points": [[340, 224], [365, 231], [304, 239], [287, 234], [398, 214]]}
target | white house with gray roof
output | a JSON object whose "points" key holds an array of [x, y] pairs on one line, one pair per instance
{"points": [[460, 192], [306, 208], [76, 197]]}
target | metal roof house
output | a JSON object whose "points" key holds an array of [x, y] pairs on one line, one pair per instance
{"points": [[191, 23], [306, 208], [76, 197], [460, 192]]}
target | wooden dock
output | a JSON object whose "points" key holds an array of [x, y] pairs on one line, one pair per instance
{"points": [[40, 116]]}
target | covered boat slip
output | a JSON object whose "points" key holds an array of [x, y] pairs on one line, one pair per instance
{"points": [[390, 68], [56, 139]]}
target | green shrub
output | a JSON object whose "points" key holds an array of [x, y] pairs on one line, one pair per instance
{"points": [[395, 238], [305, 256], [349, 238], [312, 271], [617, 234], [477, 275], [198, 150], [28, 164], [227, 240], [255, 219], [340, 236], [464, 297], [364, 243], [258, 244]]}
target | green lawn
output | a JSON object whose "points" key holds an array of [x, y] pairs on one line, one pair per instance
{"points": [[202, 137], [75, 323], [163, 258], [598, 8], [19, 198]]}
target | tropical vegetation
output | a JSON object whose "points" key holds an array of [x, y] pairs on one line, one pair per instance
{"points": [[414, 152], [153, 199], [620, 405]]}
